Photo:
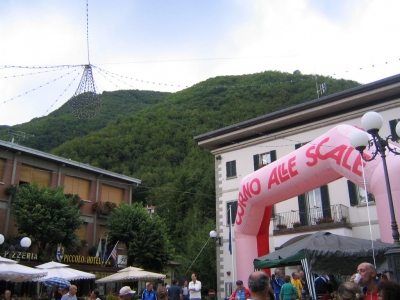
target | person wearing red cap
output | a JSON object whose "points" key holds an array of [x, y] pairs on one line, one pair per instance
{"points": [[241, 292]]}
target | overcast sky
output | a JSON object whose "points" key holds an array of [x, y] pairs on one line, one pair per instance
{"points": [[177, 43]]}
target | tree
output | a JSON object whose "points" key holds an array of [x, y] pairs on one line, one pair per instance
{"points": [[46, 215], [145, 236]]}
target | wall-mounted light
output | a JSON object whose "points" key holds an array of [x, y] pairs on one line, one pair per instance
{"points": [[218, 157], [218, 239], [228, 273]]}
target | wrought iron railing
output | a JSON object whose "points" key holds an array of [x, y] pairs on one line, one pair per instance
{"points": [[337, 213]]}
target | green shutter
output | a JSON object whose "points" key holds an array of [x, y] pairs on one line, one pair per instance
{"points": [[326, 204], [392, 124], [352, 193], [234, 209], [272, 154], [234, 168], [256, 159], [303, 209]]}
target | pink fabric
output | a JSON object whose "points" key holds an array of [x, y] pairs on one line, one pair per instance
{"points": [[323, 160]]}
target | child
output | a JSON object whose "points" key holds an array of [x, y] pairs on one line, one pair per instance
{"points": [[288, 290]]}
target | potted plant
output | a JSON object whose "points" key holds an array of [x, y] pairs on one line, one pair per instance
{"points": [[75, 200], [344, 219], [281, 226], [327, 219], [296, 224], [97, 207], [110, 205]]}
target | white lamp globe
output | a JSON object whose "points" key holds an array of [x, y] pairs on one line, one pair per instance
{"points": [[213, 234], [359, 140], [398, 129], [372, 122], [1, 239], [26, 242]]}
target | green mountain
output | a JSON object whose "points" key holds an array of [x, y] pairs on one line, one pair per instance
{"points": [[59, 126], [154, 142]]}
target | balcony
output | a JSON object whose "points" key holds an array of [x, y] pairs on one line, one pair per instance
{"points": [[311, 219]]}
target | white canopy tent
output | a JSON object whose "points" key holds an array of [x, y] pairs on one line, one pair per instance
{"points": [[131, 274], [11, 271], [55, 269]]}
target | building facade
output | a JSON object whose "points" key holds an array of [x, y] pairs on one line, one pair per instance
{"points": [[340, 207], [95, 186]]}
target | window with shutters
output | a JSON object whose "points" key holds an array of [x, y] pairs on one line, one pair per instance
{"points": [[357, 194], [79, 186], [263, 159], [112, 193], [231, 169], [29, 174], [392, 125], [2, 169], [231, 208], [314, 205]]}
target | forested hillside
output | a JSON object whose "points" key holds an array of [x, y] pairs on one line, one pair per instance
{"points": [[155, 144], [60, 125]]}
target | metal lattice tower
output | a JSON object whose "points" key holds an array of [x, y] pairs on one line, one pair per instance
{"points": [[85, 104]]}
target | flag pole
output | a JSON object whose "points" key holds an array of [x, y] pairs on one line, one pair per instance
{"points": [[111, 253], [231, 239]]}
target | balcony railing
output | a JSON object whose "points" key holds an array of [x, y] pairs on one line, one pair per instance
{"points": [[337, 213]]}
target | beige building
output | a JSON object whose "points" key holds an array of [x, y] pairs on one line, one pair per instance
{"points": [[339, 207]]}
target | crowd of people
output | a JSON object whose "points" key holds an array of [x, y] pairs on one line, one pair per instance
{"points": [[365, 284]]}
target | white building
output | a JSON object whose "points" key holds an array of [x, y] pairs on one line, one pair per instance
{"points": [[242, 148]]}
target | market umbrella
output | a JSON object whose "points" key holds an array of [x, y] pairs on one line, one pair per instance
{"points": [[61, 283], [55, 269], [11, 271], [131, 274]]}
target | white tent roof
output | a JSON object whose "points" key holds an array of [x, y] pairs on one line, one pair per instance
{"points": [[55, 269], [131, 274], [10, 270]]}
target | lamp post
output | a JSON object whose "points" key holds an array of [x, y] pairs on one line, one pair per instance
{"points": [[25, 243], [214, 235], [372, 123]]}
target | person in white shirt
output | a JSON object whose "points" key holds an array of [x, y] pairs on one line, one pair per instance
{"points": [[195, 288]]}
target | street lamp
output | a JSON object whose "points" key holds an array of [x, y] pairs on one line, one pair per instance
{"points": [[214, 235], [25, 243], [372, 123]]}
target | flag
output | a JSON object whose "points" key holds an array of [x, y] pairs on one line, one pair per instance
{"points": [[230, 229], [114, 254], [98, 252], [104, 254]]}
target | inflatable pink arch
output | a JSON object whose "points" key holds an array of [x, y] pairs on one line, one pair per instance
{"points": [[323, 160]]}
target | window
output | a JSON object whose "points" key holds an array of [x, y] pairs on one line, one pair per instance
{"points": [[233, 206], [30, 174], [112, 193], [2, 169], [263, 159], [392, 125], [231, 169], [75, 185], [314, 205], [357, 194]]}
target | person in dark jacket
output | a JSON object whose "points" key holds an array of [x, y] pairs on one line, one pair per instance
{"points": [[277, 283]]}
